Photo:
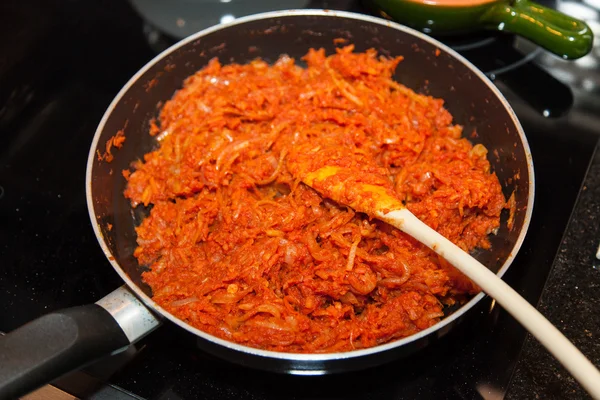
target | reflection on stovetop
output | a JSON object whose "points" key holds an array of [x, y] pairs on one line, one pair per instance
{"points": [[180, 18], [61, 75], [582, 75]]}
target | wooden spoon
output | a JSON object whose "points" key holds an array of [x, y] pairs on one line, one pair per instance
{"points": [[353, 187]]}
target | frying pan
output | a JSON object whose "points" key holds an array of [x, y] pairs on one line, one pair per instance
{"points": [[62, 341]]}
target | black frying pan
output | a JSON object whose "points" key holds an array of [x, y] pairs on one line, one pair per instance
{"points": [[66, 340]]}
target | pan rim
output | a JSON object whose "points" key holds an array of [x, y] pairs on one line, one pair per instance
{"points": [[302, 356]]}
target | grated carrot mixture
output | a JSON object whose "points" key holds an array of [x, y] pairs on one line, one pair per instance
{"points": [[239, 248]]}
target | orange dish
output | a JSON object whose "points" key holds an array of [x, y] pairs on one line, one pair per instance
{"points": [[238, 247]]}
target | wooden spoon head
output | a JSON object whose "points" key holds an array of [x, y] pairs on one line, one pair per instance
{"points": [[364, 192]]}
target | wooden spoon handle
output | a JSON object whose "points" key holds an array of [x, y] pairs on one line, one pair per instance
{"points": [[548, 335]]}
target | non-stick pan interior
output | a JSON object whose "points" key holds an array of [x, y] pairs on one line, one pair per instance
{"points": [[425, 68]]}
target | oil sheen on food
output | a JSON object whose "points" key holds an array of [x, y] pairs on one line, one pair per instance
{"points": [[238, 247]]}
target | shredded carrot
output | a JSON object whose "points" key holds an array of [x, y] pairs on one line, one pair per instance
{"points": [[114, 141], [511, 204], [238, 247]]}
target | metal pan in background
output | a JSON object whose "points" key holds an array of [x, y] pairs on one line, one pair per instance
{"points": [[66, 340]]}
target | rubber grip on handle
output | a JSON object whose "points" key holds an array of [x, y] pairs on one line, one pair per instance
{"points": [[55, 344]]}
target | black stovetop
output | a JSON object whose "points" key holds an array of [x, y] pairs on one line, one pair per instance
{"points": [[61, 65]]}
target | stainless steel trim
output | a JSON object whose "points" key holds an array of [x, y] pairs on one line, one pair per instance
{"points": [[294, 356], [131, 314]]}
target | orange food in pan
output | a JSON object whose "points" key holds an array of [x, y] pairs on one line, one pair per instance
{"points": [[239, 248]]}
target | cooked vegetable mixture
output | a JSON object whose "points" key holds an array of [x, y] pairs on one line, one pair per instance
{"points": [[238, 247]]}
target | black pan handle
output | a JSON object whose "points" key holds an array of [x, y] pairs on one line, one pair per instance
{"points": [[60, 342], [55, 344]]}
